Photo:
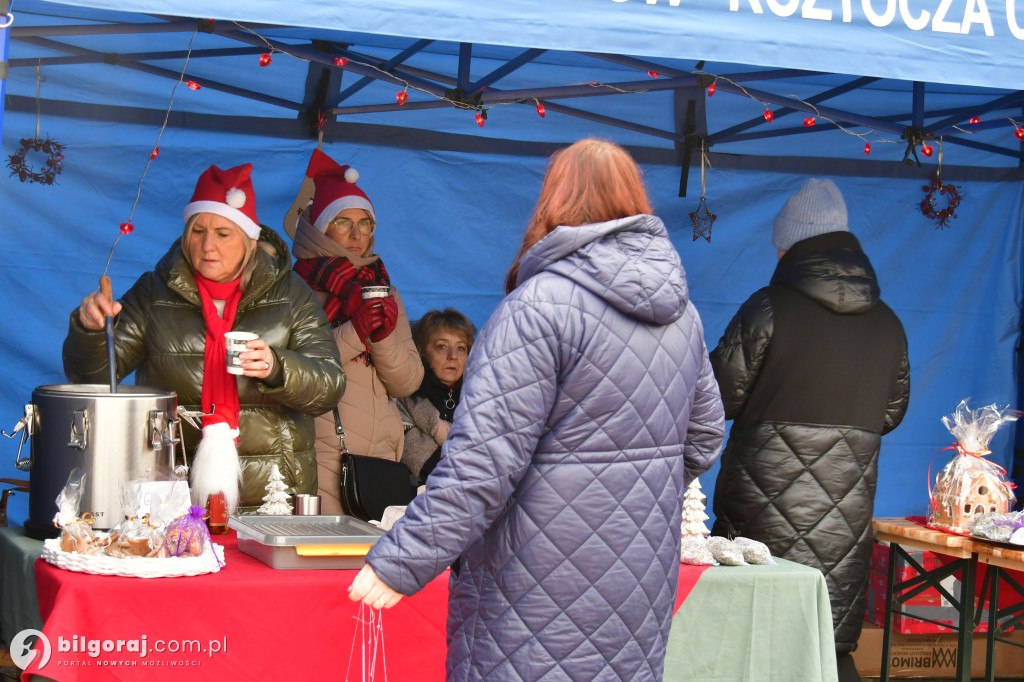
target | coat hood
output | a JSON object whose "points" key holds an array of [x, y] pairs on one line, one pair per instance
{"points": [[629, 262], [831, 269]]}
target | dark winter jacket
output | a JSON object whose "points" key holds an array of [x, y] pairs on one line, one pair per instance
{"points": [[813, 369], [160, 334], [588, 404], [430, 410]]}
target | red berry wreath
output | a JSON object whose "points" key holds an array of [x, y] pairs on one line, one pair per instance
{"points": [[54, 160], [953, 199]]}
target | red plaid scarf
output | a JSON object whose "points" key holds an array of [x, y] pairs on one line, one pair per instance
{"points": [[337, 276]]}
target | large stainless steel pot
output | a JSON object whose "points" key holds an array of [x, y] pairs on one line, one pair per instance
{"points": [[112, 437]]}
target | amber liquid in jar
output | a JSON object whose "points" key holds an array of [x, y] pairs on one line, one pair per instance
{"points": [[217, 514]]}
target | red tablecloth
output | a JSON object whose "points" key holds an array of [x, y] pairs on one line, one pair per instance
{"points": [[247, 622]]}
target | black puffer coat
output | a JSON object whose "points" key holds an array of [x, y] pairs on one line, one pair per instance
{"points": [[813, 369], [160, 334]]}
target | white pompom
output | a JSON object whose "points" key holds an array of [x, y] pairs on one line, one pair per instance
{"points": [[235, 198], [216, 467], [351, 175]]}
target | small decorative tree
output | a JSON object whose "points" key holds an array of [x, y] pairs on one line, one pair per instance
{"points": [[276, 502], [693, 512]]}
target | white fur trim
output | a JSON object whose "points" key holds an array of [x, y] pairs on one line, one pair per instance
{"points": [[216, 467], [235, 198], [223, 210], [351, 175], [338, 205]]}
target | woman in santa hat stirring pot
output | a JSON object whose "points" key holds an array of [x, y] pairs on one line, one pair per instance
{"points": [[334, 240], [226, 273]]}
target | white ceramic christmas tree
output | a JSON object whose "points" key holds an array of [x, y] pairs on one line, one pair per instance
{"points": [[276, 502], [693, 512]]}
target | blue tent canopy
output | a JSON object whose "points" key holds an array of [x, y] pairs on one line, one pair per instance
{"points": [[109, 80]]}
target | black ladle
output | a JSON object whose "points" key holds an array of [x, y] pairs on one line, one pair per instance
{"points": [[106, 290]]}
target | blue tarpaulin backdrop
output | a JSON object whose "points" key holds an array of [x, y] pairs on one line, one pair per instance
{"points": [[452, 198]]}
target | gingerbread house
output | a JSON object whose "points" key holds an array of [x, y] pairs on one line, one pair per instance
{"points": [[964, 491]]}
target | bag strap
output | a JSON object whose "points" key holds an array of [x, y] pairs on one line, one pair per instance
{"points": [[339, 431]]}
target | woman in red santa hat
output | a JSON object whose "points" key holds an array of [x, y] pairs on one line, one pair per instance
{"points": [[226, 273], [333, 247]]}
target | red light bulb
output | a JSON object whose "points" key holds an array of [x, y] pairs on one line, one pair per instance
{"points": [[652, 74], [711, 89], [193, 85], [541, 111], [927, 149], [153, 154], [479, 119], [975, 120], [340, 61], [126, 228], [265, 59], [401, 97], [768, 115], [1019, 133], [867, 147], [809, 121]]}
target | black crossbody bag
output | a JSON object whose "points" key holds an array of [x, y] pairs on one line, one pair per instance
{"points": [[370, 484]]}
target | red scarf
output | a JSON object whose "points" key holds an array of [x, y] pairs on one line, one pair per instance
{"points": [[219, 387]]}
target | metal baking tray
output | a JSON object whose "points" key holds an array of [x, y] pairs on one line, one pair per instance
{"points": [[297, 542]]}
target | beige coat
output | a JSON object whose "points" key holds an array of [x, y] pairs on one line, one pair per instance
{"points": [[368, 413]]}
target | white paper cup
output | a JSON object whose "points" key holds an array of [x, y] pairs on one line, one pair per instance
{"points": [[235, 342], [376, 292]]}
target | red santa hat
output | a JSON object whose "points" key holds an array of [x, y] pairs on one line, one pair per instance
{"points": [[335, 191], [229, 194]]}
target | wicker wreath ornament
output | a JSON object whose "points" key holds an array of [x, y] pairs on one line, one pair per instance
{"points": [[54, 160]]}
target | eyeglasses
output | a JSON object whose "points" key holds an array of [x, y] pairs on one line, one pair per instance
{"points": [[364, 226]]}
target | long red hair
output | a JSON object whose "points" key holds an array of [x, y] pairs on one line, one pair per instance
{"points": [[590, 181]]}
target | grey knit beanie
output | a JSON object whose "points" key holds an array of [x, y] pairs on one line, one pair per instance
{"points": [[816, 208]]}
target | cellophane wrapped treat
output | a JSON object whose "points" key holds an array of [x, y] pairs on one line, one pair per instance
{"points": [[725, 551], [187, 535], [970, 485], [754, 552], [999, 527], [695, 552], [76, 533], [134, 536]]}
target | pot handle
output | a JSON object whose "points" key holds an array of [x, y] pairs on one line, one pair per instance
{"points": [[28, 424]]}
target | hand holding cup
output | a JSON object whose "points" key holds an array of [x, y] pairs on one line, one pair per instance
{"points": [[248, 355]]}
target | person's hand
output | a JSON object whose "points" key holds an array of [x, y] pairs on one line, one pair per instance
{"points": [[367, 317], [258, 361], [389, 306], [371, 590], [94, 310]]}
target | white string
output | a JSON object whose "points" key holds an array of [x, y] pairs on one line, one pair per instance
{"points": [[369, 630]]}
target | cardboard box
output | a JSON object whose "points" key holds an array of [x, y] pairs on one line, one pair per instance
{"points": [[934, 656]]}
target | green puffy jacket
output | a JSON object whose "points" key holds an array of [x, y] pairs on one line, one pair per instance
{"points": [[160, 335]]}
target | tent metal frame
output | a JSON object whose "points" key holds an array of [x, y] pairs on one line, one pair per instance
{"points": [[326, 97]]}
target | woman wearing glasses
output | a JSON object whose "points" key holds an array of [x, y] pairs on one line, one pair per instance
{"points": [[333, 247]]}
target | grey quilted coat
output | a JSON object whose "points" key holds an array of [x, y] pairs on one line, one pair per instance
{"points": [[813, 370], [588, 405]]}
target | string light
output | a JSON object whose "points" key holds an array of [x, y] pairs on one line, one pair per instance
{"points": [[867, 148], [265, 59], [126, 228], [153, 154], [541, 111], [340, 61], [401, 97], [480, 118], [809, 121], [927, 149], [193, 85], [1019, 133], [652, 74], [768, 115], [711, 89], [975, 120]]}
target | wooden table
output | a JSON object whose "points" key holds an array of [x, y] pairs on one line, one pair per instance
{"points": [[962, 556]]}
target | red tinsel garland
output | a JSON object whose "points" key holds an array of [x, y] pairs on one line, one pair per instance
{"points": [[54, 160], [953, 199]]}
